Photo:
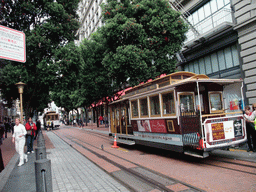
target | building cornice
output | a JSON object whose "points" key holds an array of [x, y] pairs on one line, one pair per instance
{"points": [[244, 24]]}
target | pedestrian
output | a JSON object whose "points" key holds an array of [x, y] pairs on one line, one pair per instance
{"points": [[250, 118], [106, 120], [249, 128], [81, 123], [31, 130], [1, 141], [38, 126], [6, 128], [12, 126], [101, 120], [18, 138]]}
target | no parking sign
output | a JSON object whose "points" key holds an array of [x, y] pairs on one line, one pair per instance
{"points": [[12, 44]]}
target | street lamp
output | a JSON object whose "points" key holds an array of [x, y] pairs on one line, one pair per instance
{"points": [[20, 86]]}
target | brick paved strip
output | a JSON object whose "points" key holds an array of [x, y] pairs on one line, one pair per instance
{"points": [[8, 149]]}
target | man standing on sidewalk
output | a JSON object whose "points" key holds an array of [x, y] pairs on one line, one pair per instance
{"points": [[31, 130], [38, 126]]}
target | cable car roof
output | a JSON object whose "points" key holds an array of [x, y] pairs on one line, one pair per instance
{"points": [[173, 80]]}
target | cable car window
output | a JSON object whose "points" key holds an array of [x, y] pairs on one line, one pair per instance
{"points": [[117, 116], [187, 102], [168, 103], [134, 105], [201, 102], [154, 105], [144, 107], [215, 102]]}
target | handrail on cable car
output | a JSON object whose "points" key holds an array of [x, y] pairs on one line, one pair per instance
{"points": [[221, 114]]}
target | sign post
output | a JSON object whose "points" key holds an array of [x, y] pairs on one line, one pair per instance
{"points": [[12, 44]]}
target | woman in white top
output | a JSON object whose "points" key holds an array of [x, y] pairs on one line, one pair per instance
{"points": [[19, 138]]}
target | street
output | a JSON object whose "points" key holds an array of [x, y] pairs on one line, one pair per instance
{"points": [[143, 168]]}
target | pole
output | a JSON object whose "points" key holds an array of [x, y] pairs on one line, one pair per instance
{"points": [[21, 109]]}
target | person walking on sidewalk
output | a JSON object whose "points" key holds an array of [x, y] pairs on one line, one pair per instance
{"points": [[31, 130], [18, 138]]}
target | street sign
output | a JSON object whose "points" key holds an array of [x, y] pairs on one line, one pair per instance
{"points": [[12, 44]]}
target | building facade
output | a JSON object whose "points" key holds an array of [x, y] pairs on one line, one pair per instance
{"points": [[89, 12], [221, 40]]}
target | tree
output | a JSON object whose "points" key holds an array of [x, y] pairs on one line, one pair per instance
{"points": [[94, 77], [48, 25], [141, 39], [95, 82], [67, 84]]}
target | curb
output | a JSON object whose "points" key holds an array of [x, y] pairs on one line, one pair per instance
{"points": [[4, 175]]}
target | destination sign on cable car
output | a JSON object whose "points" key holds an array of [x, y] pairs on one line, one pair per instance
{"points": [[223, 129]]}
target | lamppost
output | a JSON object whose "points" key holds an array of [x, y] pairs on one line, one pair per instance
{"points": [[20, 86]]}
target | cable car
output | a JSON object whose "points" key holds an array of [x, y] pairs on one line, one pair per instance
{"points": [[51, 119], [183, 112]]}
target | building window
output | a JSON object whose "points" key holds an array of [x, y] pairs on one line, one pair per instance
{"points": [[209, 16], [154, 105], [143, 107], [168, 104], [220, 60]]}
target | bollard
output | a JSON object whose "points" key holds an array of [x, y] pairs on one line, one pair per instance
{"points": [[43, 175], [40, 153], [40, 139]]}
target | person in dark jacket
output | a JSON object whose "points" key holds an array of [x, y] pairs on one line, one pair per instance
{"points": [[6, 127], [38, 126]]}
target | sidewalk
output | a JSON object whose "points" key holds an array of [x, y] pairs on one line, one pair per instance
{"points": [[71, 171]]}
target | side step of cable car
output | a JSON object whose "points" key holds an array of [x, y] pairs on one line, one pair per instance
{"points": [[198, 154], [124, 141]]}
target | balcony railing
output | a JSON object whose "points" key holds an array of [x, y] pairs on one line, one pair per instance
{"points": [[211, 22]]}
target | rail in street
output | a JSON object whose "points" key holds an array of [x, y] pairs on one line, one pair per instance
{"points": [[148, 169]]}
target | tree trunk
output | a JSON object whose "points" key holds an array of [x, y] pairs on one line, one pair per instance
{"points": [[86, 116]]}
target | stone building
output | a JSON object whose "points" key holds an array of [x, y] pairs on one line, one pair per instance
{"points": [[89, 12]]}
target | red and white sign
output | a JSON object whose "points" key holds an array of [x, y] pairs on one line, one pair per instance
{"points": [[220, 130], [154, 126], [12, 44]]}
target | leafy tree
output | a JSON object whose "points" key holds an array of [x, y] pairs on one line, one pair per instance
{"points": [[95, 82], [94, 77], [48, 25], [141, 38], [67, 84]]}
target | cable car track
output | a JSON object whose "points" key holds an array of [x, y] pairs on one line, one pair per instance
{"points": [[204, 161], [207, 163], [143, 178], [214, 159]]}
